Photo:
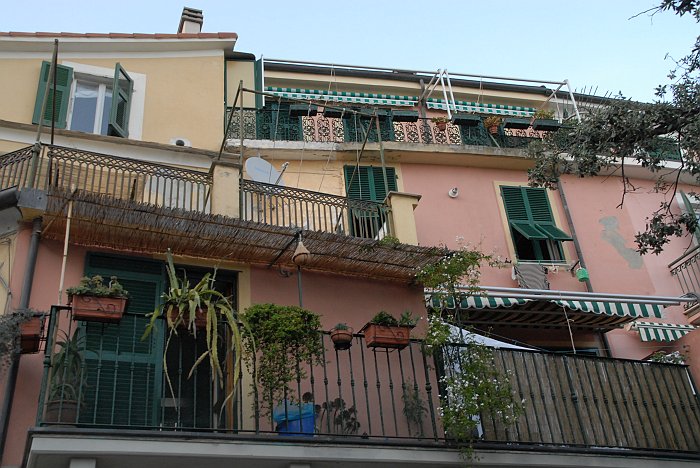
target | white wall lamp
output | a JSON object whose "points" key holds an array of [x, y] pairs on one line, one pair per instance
{"points": [[453, 193]]}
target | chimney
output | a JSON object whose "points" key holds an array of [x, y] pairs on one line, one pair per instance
{"points": [[191, 21]]}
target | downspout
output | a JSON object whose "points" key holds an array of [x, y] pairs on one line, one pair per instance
{"points": [[579, 254], [23, 304]]}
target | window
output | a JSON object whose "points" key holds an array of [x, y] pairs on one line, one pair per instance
{"points": [[125, 382], [690, 204], [367, 183], [532, 228], [86, 102]]}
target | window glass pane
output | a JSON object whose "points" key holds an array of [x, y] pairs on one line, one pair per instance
{"points": [[84, 107], [105, 111]]}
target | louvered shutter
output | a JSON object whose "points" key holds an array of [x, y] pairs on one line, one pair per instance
{"points": [[123, 372], [64, 77], [530, 214], [122, 87], [368, 182]]}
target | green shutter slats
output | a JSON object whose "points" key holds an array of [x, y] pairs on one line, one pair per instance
{"points": [[368, 182], [554, 232], [689, 209], [528, 212], [122, 87], [64, 78], [529, 231]]}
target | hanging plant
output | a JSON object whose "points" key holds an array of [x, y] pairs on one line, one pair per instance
{"points": [[472, 385], [281, 340], [199, 308], [18, 335]]}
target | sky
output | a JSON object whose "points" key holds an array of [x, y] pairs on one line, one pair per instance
{"points": [[595, 44]]}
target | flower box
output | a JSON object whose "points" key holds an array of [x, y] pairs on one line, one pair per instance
{"points": [[333, 113], [303, 110], [30, 335], [517, 123], [466, 120], [546, 125], [405, 116], [383, 336], [98, 309]]}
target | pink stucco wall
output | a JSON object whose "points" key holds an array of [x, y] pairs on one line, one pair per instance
{"points": [[604, 230], [44, 294]]}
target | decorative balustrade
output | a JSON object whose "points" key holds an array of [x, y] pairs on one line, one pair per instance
{"points": [[124, 178], [270, 124], [686, 269], [315, 211], [369, 395]]}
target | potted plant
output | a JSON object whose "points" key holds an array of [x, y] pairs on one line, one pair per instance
{"points": [[341, 335], [282, 342], [544, 121], [492, 122], [199, 308], [24, 324], [440, 123], [385, 331], [93, 300], [65, 381]]}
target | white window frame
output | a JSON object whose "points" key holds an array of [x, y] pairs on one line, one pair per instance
{"points": [[93, 74]]}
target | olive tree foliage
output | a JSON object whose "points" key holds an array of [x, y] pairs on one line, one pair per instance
{"points": [[621, 130]]}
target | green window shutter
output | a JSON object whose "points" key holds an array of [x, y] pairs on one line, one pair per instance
{"points": [[123, 372], [122, 87], [258, 78], [64, 77], [688, 206], [529, 213], [368, 182]]}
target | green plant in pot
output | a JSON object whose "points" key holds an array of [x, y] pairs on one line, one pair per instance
{"points": [[341, 335], [440, 123], [20, 331], [200, 308], [283, 340], [386, 331], [492, 122], [66, 380], [95, 300]]}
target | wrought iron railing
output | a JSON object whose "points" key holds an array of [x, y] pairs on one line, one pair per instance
{"points": [[368, 394], [686, 269], [271, 124], [315, 211], [124, 178]]}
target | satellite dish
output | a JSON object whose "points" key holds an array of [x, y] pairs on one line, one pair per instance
{"points": [[260, 170]]}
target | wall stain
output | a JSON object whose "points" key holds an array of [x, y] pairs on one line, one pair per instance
{"points": [[614, 238]]}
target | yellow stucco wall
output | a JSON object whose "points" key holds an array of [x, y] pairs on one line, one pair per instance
{"points": [[235, 72], [184, 95]]}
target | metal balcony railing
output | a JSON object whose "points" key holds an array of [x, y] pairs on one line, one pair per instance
{"points": [[123, 178], [367, 395], [271, 124], [304, 209], [686, 269]]}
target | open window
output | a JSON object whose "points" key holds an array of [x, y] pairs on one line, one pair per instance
{"points": [[86, 102], [367, 183], [532, 228]]}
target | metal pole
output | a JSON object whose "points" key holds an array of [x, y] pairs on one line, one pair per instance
{"points": [[36, 150], [240, 124], [65, 252], [573, 100], [301, 295]]}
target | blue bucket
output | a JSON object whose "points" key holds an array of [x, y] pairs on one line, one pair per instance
{"points": [[289, 422]]}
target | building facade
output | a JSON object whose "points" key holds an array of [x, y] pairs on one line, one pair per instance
{"points": [[156, 142]]}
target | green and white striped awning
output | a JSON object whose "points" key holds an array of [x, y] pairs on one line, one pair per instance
{"points": [[652, 331], [620, 309], [343, 96], [466, 106]]}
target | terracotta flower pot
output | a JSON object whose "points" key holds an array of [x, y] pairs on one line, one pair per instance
{"points": [[30, 335], [442, 126], [65, 412], [493, 129], [98, 309], [381, 336], [342, 339]]}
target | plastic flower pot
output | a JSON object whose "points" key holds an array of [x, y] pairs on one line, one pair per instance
{"points": [[293, 420]]}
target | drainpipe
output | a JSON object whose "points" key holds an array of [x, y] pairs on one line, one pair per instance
{"points": [[579, 254], [23, 304]]}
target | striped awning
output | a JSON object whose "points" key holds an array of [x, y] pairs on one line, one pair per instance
{"points": [[483, 108], [652, 331], [343, 96], [500, 310]]}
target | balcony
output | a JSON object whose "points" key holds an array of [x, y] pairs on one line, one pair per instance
{"points": [[366, 397], [686, 269], [337, 127]]}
